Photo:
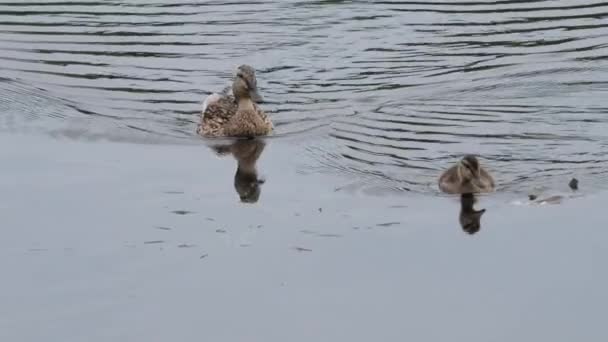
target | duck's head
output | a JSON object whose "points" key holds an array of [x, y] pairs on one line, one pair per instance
{"points": [[245, 84], [470, 164]]}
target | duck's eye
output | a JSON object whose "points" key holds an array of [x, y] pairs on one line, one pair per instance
{"points": [[242, 77]]}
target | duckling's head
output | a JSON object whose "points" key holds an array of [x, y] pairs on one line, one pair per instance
{"points": [[470, 164], [245, 84]]}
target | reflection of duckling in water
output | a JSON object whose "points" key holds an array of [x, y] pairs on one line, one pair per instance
{"points": [[246, 181], [470, 219], [466, 177]]}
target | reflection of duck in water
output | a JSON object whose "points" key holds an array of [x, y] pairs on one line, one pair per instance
{"points": [[466, 177], [246, 181], [238, 116], [470, 219]]}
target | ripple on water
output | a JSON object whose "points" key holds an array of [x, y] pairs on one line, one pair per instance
{"points": [[388, 91]]}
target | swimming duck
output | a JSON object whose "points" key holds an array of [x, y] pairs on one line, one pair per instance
{"points": [[236, 114], [466, 177]]}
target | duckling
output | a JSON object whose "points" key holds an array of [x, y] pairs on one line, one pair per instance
{"points": [[235, 115], [467, 176]]}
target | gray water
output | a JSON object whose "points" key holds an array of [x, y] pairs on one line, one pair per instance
{"points": [[120, 224], [387, 92]]}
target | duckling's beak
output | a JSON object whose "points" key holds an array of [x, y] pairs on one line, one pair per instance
{"points": [[255, 96]]}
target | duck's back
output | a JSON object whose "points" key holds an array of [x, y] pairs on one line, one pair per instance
{"points": [[452, 182], [219, 112]]}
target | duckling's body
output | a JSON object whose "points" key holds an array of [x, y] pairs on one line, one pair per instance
{"points": [[466, 177], [235, 115]]}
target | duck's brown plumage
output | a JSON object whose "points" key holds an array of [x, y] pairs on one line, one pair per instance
{"points": [[466, 177], [219, 120]]}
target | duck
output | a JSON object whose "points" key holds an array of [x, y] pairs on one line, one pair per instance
{"points": [[236, 114], [466, 177]]}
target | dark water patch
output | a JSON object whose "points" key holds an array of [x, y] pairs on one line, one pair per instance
{"points": [[153, 242], [182, 212], [301, 249], [388, 224], [327, 235]]}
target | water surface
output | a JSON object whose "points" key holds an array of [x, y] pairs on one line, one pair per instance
{"points": [[119, 223], [387, 92], [139, 242]]}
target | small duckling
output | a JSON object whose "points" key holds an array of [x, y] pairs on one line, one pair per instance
{"points": [[466, 177], [238, 116]]}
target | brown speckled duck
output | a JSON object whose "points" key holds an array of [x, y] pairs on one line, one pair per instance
{"points": [[236, 115], [466, 177]]}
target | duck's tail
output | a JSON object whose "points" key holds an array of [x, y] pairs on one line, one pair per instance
{"points": [[210, 100]]}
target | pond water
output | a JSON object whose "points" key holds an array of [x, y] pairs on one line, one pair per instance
{"points": [[119, 223], [383, 92]]}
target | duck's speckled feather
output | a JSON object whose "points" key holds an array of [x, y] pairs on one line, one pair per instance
{"points": [[452, 182], [248, 123], [218, 114]]}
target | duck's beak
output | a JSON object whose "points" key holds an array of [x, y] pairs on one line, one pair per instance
{"points": [[255, 96]]}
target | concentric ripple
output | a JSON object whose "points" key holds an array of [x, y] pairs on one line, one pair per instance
{"points": [[389, 92]]}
